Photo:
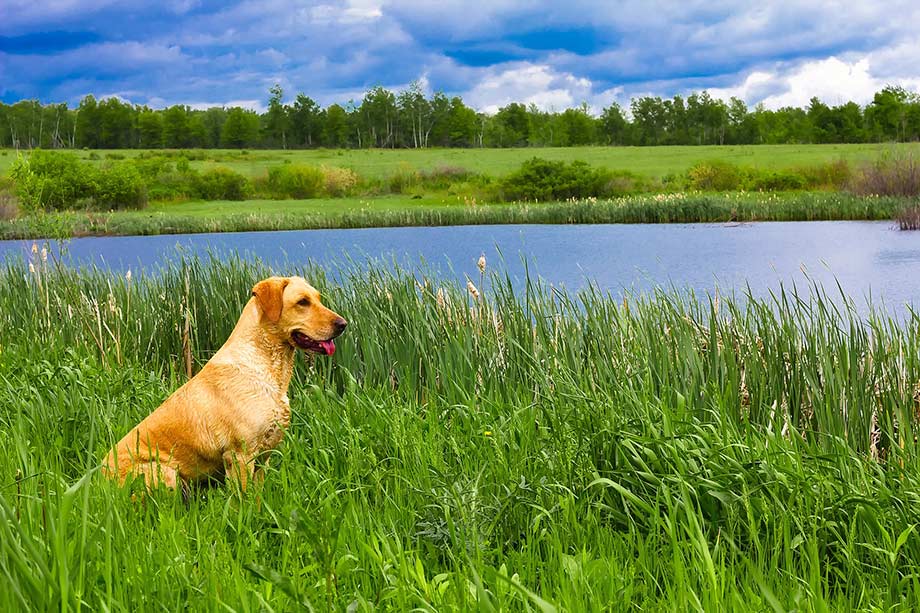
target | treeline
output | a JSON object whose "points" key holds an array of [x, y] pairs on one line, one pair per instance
{"points": [[410, 119]]}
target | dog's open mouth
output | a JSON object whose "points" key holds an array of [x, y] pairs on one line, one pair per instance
{"points": [[308, 344]]}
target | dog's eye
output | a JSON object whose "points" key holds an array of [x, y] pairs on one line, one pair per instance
{"points": [[304, 302]]}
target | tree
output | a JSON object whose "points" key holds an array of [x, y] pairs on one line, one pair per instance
{"points": [[335, 130], [115, 124], [149, 129], [175, 127], [306, 121], [462, 124], [88, 124], [377, 119], [512, 126], [241, 129], [614, 126], [213, 120], [887, 114], [649, 119], [578, 126], [438, 127], [277, 120], [415, 115], [675, 122]]}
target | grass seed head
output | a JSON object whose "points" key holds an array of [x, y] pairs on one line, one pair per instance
{"points": [[472, 289]]}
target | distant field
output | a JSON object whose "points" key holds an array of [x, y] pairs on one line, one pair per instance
{"points": [[648, 161]]}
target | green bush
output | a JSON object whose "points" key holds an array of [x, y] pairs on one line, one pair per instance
{"points": [[119, 186], [778, 181], [339, 181], [221, 184], [151, 167], [57, 180], [403, 179], [51, 180], [295, 181], [830, 175], [715, 175], [543, 180]]}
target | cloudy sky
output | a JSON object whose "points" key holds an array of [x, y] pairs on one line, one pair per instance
{"points": [[554, 54]]}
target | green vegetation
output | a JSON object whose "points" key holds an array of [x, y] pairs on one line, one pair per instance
{"points": [[384, 119], [231, 216], [57, 180], [650, 162], [516, 451], [66, 194]]}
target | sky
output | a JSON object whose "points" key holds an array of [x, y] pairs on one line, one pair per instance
{"points": [[552, 54]]}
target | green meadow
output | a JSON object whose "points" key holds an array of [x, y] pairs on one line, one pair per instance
{"points": [[516, 449], [653, 162], [185, 191]]}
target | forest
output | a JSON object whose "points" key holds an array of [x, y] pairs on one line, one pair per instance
{"points": [[412, 119]]}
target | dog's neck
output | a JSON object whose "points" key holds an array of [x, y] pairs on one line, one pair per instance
{"points": [[256, 348]]}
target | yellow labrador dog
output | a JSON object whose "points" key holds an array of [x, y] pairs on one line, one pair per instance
{"points": [[236, 409]]}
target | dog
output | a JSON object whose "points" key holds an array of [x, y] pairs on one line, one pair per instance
{"points": [[225, 419]]}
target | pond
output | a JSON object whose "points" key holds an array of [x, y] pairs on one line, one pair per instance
{"points": [[870, 260]]}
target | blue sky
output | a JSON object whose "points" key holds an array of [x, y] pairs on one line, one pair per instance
{"points": [[552, 54]]}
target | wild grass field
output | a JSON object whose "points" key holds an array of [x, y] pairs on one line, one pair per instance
{"points": [[651, 162], [511, 450]]}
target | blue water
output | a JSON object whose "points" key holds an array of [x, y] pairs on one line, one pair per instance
{"points": [[866, 258]]}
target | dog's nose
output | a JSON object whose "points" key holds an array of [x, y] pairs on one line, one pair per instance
{"points": [[339, 325]]}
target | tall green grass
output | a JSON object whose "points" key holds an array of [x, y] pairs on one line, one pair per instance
{"points": [[524, 450], [351, 213]]}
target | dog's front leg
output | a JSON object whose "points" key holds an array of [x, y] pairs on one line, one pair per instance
{"points": [[239, 466]]}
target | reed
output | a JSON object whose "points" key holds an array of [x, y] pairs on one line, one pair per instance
{"points": [[516, 449], [296, 215]]}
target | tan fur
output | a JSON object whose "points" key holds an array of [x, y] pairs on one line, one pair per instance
{"points": [[225, 419]]}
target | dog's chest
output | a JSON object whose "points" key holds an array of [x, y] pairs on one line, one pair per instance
{"points": [[279, 419]]}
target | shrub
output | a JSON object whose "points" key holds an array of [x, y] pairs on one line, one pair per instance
{"points": [[57, 180], [114, 156], [295, 181], [119, 186], [714, 175], [890, 175], [623, 183], [51, 180], [338, 181], [151, 167], [542, 180], [831, 175], [221, 184], [403, 179], [778, 180]]}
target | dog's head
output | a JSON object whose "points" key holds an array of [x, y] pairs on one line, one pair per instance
{"points": [[291, 310]]}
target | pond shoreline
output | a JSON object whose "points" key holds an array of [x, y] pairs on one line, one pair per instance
{"points": [[212, 217]]}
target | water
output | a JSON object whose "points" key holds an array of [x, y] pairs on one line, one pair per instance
{"points": [[868, 259]]}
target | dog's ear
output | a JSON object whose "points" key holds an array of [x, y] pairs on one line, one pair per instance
{"points": [[269, 294]]}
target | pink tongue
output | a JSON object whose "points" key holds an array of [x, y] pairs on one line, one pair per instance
{"points": [[328, 347]]}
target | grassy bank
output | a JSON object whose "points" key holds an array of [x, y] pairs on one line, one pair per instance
{"points": [[535, 451], [224, 216]]}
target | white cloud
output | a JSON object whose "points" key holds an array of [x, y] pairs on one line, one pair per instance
{"points": [[777, 51], [832, 80], [530, 84]]}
